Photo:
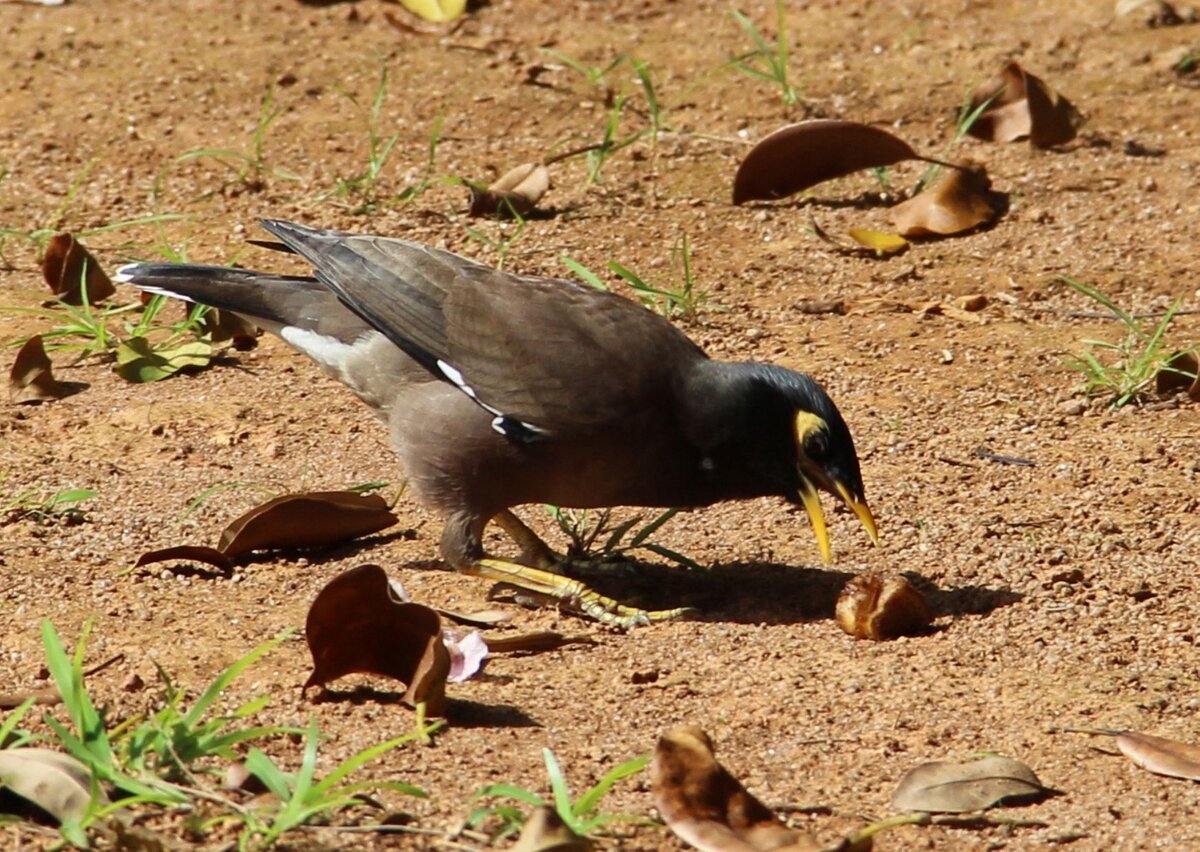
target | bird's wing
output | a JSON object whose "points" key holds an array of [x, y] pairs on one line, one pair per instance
{"points": [[543, 356]]}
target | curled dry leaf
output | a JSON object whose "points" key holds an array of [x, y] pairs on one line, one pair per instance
{"points": [[1023, 105], [801, 155], [545, 831], [1180, 373], [312, 519], [291, 522], [872, 606], [706, 806], [975, 785], [31, 378], [517, 191], [1160, 755], [139, 360], [960, 201], [68, 266], [355, 625], [55, 782]]}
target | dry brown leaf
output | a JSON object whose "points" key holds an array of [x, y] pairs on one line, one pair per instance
{"points": [[1181, 372], [545, 831], [313, 519], [356, 625], [66, 264], [31, 378], [222, 325], [801, 155], [960, 201], [1023, 105], [517, 191], [187, 553], [975, 785], [872, 606], [1160, 755], [706, 806]]}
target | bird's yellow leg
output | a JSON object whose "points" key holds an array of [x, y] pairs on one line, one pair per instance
{"points": [[534, 551], [570, 593]]}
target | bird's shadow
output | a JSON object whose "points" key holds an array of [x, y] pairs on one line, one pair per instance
{"points": [[459, 712], [765, 592]]}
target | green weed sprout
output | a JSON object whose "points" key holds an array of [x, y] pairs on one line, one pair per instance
{"points": [[1133, 362], [583, 815]]}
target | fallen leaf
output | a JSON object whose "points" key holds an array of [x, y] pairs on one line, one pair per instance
{"points": [[707, 807], [187, 553], [881, 243], [545, 831], [960, 201], [139, 360], [438, 11], [68, 266], [1023, 105], [517, 191], [219, 326], [541, 640], [309, 519], [1158, 754], [55, 782], [31, 378], [801, 155], [356, 626], [975, 785], [1180, 372], [873, 606]]}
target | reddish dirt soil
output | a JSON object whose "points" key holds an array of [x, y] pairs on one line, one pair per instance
{"points": [[1066, 591]]}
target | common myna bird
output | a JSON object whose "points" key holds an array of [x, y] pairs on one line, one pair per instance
{"points": [[503, 389]]}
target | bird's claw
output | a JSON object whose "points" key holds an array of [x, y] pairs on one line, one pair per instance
{"points": [[571, 594]]}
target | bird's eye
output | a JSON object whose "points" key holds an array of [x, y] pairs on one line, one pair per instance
{"points": [[816, 446]]}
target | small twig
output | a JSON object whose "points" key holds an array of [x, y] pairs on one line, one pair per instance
{"points": [[50, 695], [573, 152], [988, 455]]}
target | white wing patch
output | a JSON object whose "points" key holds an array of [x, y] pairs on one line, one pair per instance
{"points": [[325, 349]]}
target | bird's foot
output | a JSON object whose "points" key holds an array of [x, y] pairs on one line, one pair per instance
{"points": [[572, 594]]}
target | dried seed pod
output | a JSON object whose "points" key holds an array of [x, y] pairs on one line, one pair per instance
{"points": [[872, 606]]}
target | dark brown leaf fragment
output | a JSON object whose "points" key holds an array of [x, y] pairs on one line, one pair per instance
{"points": [[707, 807], [222, 325], [31, 378], [68, 265], [187, 553], [1180, 373], [356, 626], [801, 155], [313, 519], [1023, 105]]}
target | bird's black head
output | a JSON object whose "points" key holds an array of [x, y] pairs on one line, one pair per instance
{"points": [[800, 440]]}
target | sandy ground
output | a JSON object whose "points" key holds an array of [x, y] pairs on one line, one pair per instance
{"points": [[1066, 590]]}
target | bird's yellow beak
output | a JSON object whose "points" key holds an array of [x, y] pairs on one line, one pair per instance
{"points": [[862, 510], [812, 505]]}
